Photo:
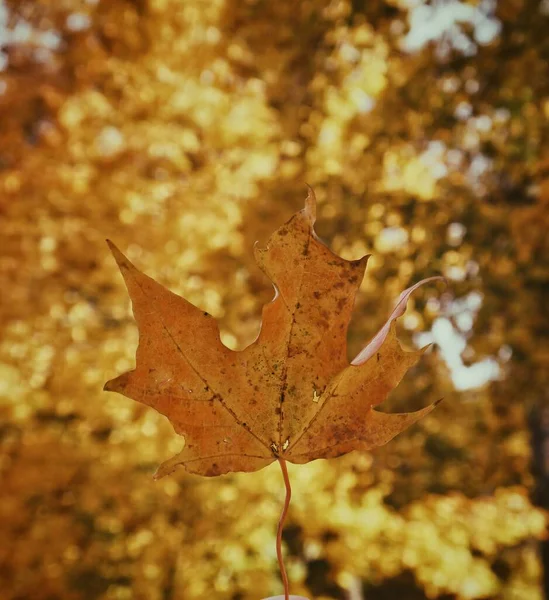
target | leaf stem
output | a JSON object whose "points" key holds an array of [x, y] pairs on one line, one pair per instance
{"points": [[283, 573]]}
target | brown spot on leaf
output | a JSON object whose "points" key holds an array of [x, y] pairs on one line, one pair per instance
{"points": [[341, 303]]}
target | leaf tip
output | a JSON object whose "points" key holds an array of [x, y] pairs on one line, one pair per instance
{"points": [[121, 259], [361, 263], [164, 469], [112, 246], [310, 204], [158, 474], [118, 384], [170, 465], [434, 278]]}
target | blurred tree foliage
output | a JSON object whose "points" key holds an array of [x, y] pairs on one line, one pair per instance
{"points": [[185, 130]]}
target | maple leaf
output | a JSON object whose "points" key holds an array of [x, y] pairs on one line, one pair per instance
{"points": [[292, 393]]}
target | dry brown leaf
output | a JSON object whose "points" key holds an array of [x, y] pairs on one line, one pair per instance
{"points": [[292, 393]]}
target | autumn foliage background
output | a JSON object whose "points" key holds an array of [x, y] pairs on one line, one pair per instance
{"points": [[186, 130]]}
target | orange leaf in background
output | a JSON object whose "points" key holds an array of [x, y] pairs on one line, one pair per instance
{"points": [[291, 394]]}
